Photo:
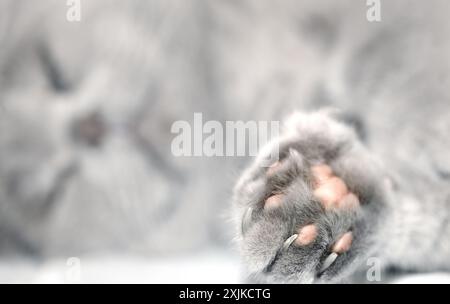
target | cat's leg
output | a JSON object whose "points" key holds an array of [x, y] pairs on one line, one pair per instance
{"points": [[312, 215]]}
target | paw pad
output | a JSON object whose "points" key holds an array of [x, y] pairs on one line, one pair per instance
{"points": [[344, 243], [274, 201], [306, 235], [330, 190]]}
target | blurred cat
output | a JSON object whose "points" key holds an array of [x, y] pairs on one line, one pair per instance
{"points": [[85, 129], [86, 110]]}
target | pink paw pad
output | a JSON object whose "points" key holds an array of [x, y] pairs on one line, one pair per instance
{"points": [[274, 201], [306, 235], [330, 190], [344, 243]]}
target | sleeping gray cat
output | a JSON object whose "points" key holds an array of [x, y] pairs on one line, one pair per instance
{"points": [[86, 110]]}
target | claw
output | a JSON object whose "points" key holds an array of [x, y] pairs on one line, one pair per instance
{"points": [[328, 262], [289, 242]]}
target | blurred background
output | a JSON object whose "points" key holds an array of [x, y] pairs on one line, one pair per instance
{"points": [[87, 177]]}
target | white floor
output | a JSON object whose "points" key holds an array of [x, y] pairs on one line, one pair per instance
{"points": [[205, 267]]}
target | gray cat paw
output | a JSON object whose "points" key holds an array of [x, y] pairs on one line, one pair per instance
{"points": [[310, 216]]}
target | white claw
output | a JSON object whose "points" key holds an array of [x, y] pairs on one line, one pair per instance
{"points": [[328, 261], [289, 241]]}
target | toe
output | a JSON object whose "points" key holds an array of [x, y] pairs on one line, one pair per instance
{"points": [[306, 235], [274, 201], [344, 243], [331, 192]]}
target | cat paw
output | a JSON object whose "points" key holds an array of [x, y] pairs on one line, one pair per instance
{"points": [[311, 215]]}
